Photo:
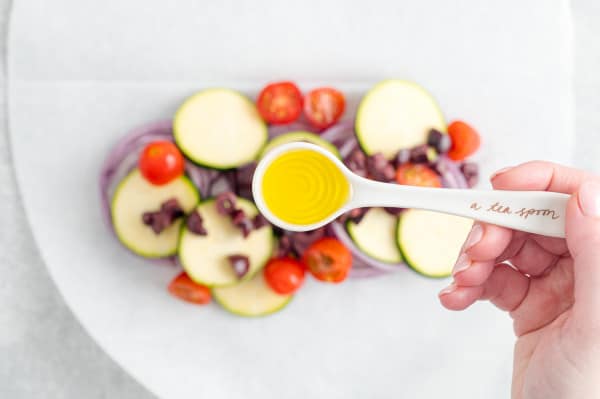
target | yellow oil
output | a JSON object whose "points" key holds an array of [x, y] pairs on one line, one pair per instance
{"points": [[303, 187]]}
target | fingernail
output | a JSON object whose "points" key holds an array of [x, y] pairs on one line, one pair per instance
{"points": [[474, 237], [448, 290], [589, 198], [500, 171], [462, 263]]}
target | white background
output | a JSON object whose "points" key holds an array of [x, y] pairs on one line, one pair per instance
{"points": [[44, 352]]}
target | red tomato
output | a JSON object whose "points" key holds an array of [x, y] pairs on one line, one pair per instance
{"points": [[328, 260], [184, 288], [324, 106], [465, 140], [284, 275], [161, 162], [280, 103], [412, 174]]}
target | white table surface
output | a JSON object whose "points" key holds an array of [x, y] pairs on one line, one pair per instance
{"points": [[43, 350]]}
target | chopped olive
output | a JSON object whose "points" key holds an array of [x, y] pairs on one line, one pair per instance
{"points": [[357, 162], [195, 224], [242, 222], [225, 203], [172, 208], [379, 168], [259, 221], [356, 215], [423, 154], [438, 140], [393, 211], [240, 264], [159, 220]]}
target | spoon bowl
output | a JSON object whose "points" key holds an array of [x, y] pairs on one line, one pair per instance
{"points": [[276, 153], [538, 212]]}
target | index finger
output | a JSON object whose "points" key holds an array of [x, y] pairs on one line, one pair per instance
{"points": [[539, 175]]}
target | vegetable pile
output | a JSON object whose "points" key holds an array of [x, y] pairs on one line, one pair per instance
{"points": [[179, 191]]}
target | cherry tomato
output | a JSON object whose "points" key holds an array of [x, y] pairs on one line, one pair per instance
{"points": [[280, 103], [161, 162], [328, 260], [184, 288], [324, 106], [465, 140], [284, 275], [422, 175]]}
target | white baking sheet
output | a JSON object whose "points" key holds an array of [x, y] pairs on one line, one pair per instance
{"points": [[82, 72]]}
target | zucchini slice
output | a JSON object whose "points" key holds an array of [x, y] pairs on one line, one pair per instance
{"points": [[204, 258], [430, 242], [375, 235], [134, 196], [396, 114], [300, 136], [219, 129], [251, 298]]}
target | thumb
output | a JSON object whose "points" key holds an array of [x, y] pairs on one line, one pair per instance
{"points": [[583, 240]]}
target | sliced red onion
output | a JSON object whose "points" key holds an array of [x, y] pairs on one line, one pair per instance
{"points": [[284, 247], [340, 233], [202, 178], [362, 269], [138, 138], [348, 146], [342, 136], [339, 132], [224, 182], [243, 180], [452, 177], [245, 174], [300, 241], [470, 171]]}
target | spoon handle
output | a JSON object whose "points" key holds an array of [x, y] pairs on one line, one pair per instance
{"points": [[538, 212]]}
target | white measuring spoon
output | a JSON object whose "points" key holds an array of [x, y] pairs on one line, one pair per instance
{"points": [[539, 212]]}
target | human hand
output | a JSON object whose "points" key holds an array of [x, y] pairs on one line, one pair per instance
{"points": [[552, 292]]}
